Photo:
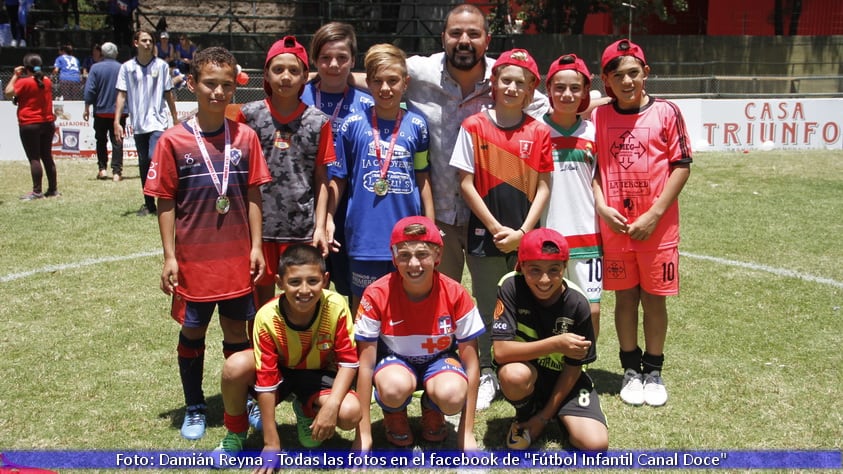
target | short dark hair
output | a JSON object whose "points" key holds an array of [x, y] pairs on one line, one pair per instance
{"points": [[212, 55], [613, 64], [300, 254], [467, 8]]}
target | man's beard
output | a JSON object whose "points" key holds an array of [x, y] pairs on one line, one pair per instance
{"points": [[461, 62]]}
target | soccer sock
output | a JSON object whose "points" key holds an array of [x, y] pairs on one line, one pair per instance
{"points": [[652, 362], [524, 408], [631, 359], [191, 367], [426, 402], [229, 348], [236, 423]]}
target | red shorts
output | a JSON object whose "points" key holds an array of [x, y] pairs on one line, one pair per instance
{"points": [[271, 254], [655, 272]]}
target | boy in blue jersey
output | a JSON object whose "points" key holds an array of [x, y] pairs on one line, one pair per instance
{"points": [[382, 160], [332, 51]]}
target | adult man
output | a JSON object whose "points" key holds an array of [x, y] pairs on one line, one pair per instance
{"points": [[144, 82], [446, 88], [100, 91]]}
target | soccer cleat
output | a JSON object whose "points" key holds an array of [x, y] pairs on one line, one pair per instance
{"points": [[31, 196], [303, 426], [193, 426], [233, 443], [655, 394], [398, 428], [254, 414], [632, 390], [488, 389], [117, 178], [102, 174], [52, 194], [518, 438], [433, 424]]}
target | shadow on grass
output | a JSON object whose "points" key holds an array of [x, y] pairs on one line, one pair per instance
{"points": [[605, 382]]}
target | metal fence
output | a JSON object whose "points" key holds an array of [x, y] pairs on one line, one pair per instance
{"points": [[708, 87]]}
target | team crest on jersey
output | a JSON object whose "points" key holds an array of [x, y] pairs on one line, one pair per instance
{"points": [[282, 140], [627, 149], [525, 148], [562, 325], [445, 324], [235, 155], [324, 343], [589, 154]]}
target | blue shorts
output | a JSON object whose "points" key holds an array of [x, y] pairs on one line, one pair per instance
{"points": [[445, 362], [365, 272], [192, 314]]}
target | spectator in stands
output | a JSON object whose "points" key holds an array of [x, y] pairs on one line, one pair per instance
{"points": [[164, 49], [18, 29], [184, 53], [66, 5], [68, 73], [95, 57], [100, 90], [32, 92], [121, 12], [144, 84]]}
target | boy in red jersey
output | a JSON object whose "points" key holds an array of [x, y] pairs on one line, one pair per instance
{"points": [[302, 346], [643, 164], [504, 159], [408, 329], [543, 336], [206, 175], [298, 145]]}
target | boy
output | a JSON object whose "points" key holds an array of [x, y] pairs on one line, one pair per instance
{"points": [[298, 145], [409, 327], [570, 209], [332, 50], [504, 158], [543, 336], [144, 85], [206, 175], [382, 156], [644, 163], [302, 345]]}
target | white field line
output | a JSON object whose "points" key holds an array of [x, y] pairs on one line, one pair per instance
{"points": [[722, 261], [73, 266], [764, 268]]}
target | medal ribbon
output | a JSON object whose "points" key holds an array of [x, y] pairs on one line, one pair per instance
{"points": [[339, 104], [222, 188], [377, 138]]}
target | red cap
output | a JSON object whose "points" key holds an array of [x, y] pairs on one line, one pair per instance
{"points": [[533, 241], [520, 58], [287, 44], [619, 48], [431, 234], [570, 62]]}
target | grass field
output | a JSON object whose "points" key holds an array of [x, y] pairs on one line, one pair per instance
{"points": [[753, 353]]}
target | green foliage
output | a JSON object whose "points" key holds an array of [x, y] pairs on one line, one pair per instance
{"points": [[752, 361]]}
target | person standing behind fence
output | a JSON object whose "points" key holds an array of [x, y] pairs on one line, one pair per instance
{"points": [[68, 72], [332, 50], [33, 94], [17, 28], [185, 49], [121, 13], [144, 84], [100, 91]]}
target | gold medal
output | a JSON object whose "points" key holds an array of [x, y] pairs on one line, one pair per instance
{"points": [[381, 187], [223, 204]]}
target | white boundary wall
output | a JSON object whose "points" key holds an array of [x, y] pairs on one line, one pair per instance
{"points": [[713, 124]]}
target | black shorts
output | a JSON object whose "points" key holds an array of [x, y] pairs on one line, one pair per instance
{"points": [[582, 400]]}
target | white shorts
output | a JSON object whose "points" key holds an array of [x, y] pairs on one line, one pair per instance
{"points": [[587, 273]]}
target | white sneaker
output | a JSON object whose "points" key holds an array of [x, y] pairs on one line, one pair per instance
{"points": [[14, 43], [488, 389], [655, 394], [632, 390], [22, 43]]}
